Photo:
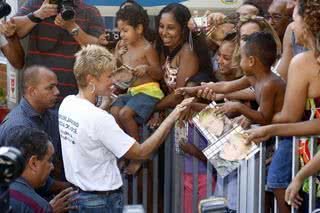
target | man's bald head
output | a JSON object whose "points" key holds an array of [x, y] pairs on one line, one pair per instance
{"points": [[281, 5], [279, 16], [40, 87], [32, 75]]}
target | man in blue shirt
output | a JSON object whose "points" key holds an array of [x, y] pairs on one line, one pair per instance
{"points": [[37, 151], [35, 110]]}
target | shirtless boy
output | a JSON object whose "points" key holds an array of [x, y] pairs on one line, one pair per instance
{"points": [[136, 52], [257, 56]]}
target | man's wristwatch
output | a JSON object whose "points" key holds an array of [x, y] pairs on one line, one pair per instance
{"points": [[75, 31], [34, 18]]}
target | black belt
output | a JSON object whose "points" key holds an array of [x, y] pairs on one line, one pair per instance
{"points": [[107, 193]]}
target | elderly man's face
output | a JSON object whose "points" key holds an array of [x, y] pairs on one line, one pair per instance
{"points": [[278, 17]]}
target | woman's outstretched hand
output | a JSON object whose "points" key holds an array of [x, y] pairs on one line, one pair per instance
{"points": [[175, 114], [292, 196], [260, 134], [187, 91]]}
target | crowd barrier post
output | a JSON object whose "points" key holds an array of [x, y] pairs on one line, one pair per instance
{"points": [[295, 161], [195, 187], [169, 150], [312, 184], [262, 175]]}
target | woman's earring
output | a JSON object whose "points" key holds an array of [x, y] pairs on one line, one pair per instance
{"points": [[93, 88]]}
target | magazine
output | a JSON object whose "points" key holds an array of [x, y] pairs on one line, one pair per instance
{"points": [[226, 140], [123, 76]]}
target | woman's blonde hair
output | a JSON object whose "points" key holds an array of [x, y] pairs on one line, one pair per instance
{"points": [[264, 26], [92, 60]]}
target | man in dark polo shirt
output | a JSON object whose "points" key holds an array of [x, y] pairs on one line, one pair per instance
{"points": [[54, 41], [37, 151]]}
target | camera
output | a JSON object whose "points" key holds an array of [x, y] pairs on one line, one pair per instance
{"points": [[12, 165], [5, 8], [112, 37], [201, 22], [65, 7]]}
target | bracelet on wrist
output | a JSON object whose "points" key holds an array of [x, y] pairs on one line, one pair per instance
{"points": [[33, 18]]}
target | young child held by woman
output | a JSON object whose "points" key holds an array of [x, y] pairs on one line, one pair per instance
{"points": [[134, 51]]}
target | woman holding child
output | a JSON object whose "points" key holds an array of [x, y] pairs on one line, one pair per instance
{"points": [[184, 57], [182, 54]]}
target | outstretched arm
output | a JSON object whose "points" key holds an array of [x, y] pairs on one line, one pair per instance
{"points": [[292, 192], [144, 150], [289, 129], [219, 87]]}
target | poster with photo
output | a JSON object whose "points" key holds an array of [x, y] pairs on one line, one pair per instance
{"points": [[227, 140]]}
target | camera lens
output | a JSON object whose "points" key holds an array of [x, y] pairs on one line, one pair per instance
{"points": [[11, 164], [5, 9], [116, 36], [67, 13]]}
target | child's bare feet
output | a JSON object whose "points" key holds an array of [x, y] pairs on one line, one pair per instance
{"points": [[133, 167]]}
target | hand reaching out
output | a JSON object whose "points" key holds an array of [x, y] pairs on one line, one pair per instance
{"points": [[61, 202], [229, 107], [260, 134], [175, 114], [8, 28], [242, 121], [292, 196]]}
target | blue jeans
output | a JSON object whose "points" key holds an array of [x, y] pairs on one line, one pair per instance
{"points": [[98, 203], [279, 174]]}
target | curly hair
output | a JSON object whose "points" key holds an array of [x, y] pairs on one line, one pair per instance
{"points": [[133, 16], [310, 11]]}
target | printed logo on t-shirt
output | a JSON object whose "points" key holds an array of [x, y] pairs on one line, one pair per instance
{"points": [[68, 128]]}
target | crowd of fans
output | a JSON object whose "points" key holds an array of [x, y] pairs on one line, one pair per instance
{"points": [[262, 69]]}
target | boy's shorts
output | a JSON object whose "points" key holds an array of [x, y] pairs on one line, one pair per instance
{"points": [[279, 174], [143, 105]]}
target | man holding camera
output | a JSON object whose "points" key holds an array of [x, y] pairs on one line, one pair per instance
{"points": [[37, 152], [57, 29]]}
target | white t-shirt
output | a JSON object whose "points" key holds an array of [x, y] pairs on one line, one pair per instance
{"points": [[91, 142]]}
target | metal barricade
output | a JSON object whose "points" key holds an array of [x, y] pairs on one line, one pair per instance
{"points": [[250, 180]]}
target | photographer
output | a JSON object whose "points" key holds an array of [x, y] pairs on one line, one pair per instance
{"points": [[37, 151], [10, 44], [53, 40]]}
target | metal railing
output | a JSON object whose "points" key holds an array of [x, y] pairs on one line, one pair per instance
{"points": [[168, 181]]}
